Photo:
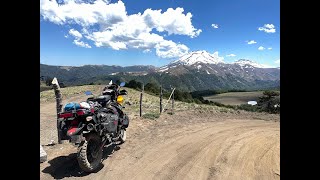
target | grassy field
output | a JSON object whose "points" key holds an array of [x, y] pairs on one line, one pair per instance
{"points": [[235, 98]]}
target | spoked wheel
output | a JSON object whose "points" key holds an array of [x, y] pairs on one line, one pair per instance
{"points": [[89, 153], [123, 135]]}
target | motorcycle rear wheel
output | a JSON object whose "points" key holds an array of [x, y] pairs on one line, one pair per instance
{"points": [[89, 154]]}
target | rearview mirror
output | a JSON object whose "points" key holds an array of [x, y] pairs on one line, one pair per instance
{"points": [[88, 93], [122, 84]]}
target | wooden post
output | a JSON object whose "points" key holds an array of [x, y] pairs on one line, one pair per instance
{"points": [[172, 107], [169, 97], [141, 95], [160, 99], [59, 105]]}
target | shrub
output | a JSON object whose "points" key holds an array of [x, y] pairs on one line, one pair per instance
{"points": [[270, 102], [151, 116], [248, 107], [134, 84]]}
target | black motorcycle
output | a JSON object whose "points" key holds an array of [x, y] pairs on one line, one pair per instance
{"points": [[94, 124]]}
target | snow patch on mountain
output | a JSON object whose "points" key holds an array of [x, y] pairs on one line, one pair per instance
{"points": [[114, 73], [163, 69]]}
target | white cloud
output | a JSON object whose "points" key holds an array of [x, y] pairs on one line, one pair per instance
{"points": [[81, 43], [109, 25], [75, 33], [231, 55], [169, 49], [215, 26], [268, 28], [85, 14], [216, 56], [277, 61], [173, 21], [251, 42], [146, 51], [269, 48], [261, 48]]}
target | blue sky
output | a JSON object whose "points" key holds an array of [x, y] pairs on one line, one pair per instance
{"points": [[150, 32]]}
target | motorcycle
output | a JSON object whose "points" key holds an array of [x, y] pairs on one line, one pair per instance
{"points": [[94, 124]]}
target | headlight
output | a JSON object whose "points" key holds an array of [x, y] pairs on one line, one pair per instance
{"points": [[120, 99]]}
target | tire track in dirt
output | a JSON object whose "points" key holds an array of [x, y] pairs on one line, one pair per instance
{"points": [[244, 158], [228, 150]]}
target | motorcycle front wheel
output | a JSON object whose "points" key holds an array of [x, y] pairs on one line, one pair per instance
{"points": [[123, 135], [89, 154]]}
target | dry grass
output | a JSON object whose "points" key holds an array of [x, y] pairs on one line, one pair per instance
{"points": [[151, 104], [47, 96]]}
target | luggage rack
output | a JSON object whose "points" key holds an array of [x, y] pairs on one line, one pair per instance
{"points": [[75, 113]]}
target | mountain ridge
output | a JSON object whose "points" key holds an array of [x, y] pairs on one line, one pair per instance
{"points": [[197, 70]]}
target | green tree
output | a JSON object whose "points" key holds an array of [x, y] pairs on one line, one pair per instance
{"points": [[117, 81], [134, 84], [152, 87], [269, 102], [49, 81]]}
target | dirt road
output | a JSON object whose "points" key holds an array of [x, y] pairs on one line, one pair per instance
{"points": [[187, 145]]}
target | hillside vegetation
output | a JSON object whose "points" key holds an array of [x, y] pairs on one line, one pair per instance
{"points": [[151, 103], [268, 101]]}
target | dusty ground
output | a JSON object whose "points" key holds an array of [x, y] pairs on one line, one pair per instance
{"points": [[186, 145]]}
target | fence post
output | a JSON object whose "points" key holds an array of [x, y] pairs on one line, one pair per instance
{"points": [[59, 105], [172, 108], [169, 97], [141, 95], [160, 99]]}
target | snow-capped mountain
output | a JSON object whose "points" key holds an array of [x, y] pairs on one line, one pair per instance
{"points": [[195, 58], [203, 59], [199, 57], [247, 63], [203, 62]]}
